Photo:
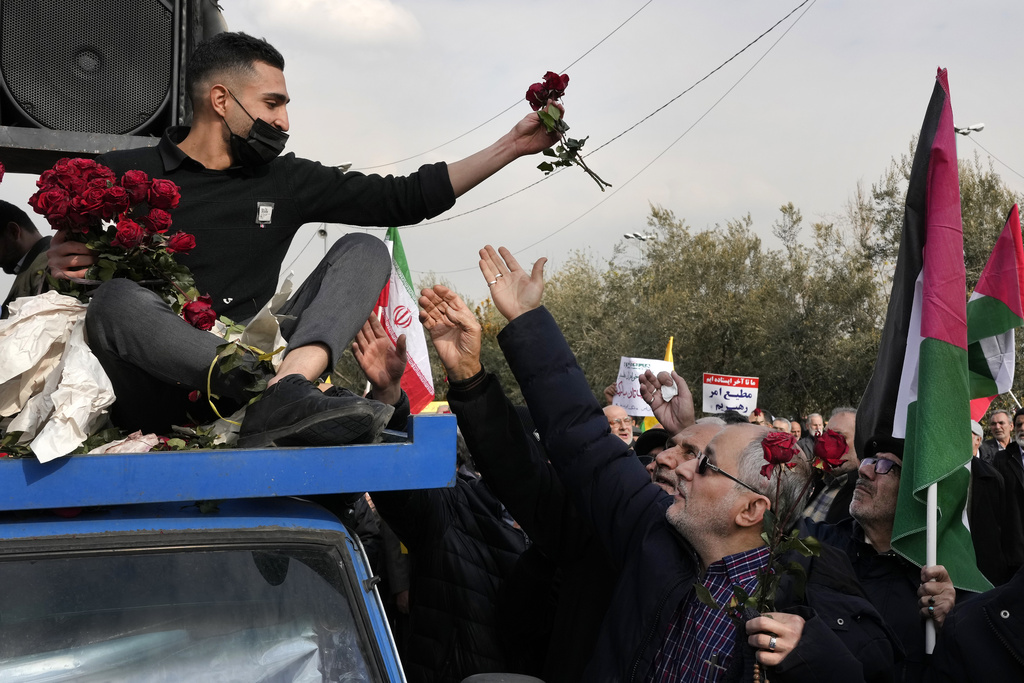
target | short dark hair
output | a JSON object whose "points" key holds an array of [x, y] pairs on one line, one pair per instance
{"points": [[228, 51], [11, 213], [1020, 411]]}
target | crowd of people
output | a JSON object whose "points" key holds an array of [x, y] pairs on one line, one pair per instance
{"points": [[570, 548]]}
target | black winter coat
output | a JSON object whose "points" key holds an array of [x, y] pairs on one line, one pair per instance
{"points": [[462, 550], [555, 604], [982, 640], [657, 567]]}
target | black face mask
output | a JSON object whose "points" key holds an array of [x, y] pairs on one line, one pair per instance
{"points": [[262, 145]]}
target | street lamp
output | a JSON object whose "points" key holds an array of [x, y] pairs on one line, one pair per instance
{"points": [[970, 129]]}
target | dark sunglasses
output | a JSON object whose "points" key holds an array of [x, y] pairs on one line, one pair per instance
{"points": [[882, 465], [703, 465]]}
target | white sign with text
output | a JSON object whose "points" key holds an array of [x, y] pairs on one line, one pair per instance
{"points": [[627, 386], [729, 392]]}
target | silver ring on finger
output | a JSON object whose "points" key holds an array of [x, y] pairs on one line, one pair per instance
{"points": [[771, 644], [497, 276], [492, 283]]}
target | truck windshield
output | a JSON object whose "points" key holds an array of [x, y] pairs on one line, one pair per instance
{"points": [[189, 615]]}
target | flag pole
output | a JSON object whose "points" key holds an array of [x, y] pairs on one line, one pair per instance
{"points": [[1014, 399], [931, 545]]}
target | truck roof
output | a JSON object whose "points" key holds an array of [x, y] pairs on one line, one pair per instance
{"points": [[427, 460]]}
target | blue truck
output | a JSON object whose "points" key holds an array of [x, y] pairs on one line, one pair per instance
{"points": [[202, 565]]}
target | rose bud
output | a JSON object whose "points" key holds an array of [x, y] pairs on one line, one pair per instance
{"points": [[829, 449]]}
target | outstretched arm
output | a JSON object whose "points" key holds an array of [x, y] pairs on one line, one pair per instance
{"points": [[528, 137]]}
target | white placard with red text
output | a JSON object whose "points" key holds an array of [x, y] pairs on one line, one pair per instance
{"points": [[627, 386], [729, 392]]}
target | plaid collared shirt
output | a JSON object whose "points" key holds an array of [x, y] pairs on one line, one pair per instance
{"points": [[817, 509], [699, 635]]}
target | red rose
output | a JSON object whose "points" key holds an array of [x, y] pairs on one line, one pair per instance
{"points": [[89, 170], [54, 202], [163, 194], [199, 313], [157, 220], [537, 96], [181, 243], [89, 201], [779, 448], [2, 170], [556, 84], [129, 234], [829, 449], [194, 395], [115, 200], [136, 183]]}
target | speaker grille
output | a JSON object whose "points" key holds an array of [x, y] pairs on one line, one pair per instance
{"points": [[92, 66]]}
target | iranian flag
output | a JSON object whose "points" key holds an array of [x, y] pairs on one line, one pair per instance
{"points": [[919, 390], [399, 315], [993, 312]]}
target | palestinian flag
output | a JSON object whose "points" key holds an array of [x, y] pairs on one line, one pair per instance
{"points": [[993, 311], [399, 314], [919, 389]]}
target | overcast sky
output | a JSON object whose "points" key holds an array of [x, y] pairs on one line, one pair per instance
{"points": [[822, 102]]}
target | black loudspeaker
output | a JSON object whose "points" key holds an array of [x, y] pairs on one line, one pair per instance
{"points": [[81, 77]]}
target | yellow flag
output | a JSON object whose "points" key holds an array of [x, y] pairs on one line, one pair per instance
{"points": [[651, 422]]}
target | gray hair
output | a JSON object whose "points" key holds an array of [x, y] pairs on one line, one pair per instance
{"points": [[789, 425], [711, 420], [751, 461], [843, 409]]}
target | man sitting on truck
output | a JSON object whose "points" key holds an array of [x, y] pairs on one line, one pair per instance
{"points": [[244, 203]]}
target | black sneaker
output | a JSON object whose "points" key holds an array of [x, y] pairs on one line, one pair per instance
{"points": [[293, 412]]}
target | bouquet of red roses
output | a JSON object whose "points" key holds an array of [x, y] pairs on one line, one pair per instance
{"points": [[125, 221]]}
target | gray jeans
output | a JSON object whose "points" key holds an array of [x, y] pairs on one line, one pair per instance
{"points": [[155, 359]]}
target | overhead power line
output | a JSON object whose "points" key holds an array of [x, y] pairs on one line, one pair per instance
{"points": [[808, 3], [514, 104]]}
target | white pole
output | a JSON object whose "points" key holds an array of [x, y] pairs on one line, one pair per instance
{"points": [[931, 544], [1014, 398]]}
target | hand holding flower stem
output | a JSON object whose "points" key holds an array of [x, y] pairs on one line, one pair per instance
{"points": [[543, 97]]}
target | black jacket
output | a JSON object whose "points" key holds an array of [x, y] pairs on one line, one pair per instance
{"points": [[557, 601], [982, 640], [462, 551], [995, 523], [657, 567]]}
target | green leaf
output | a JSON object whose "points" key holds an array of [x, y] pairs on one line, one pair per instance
{"points": [[546, 167], [553, 112], [177, 444], [704, 595]]}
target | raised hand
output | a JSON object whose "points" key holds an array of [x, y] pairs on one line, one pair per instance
{"points": [[677, 413], [513, 291], [454, 330], [382, 361]]}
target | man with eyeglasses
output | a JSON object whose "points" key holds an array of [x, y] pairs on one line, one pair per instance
{"points": [[905, 594], [707, 531], [620, 422]]}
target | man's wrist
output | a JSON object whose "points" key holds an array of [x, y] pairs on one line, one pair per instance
{"points": [[464, 372], [464, 382]]}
